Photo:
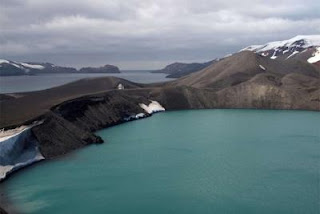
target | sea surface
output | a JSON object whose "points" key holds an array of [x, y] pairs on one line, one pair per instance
{"points": [[200, 161], [12, 84]]}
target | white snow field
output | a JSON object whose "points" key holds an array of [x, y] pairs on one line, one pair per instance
{"points": [[34, 66], [316, 56], [294, 46], [153, 107], [18, 148]]}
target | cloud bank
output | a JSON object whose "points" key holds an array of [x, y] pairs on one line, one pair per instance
{"points": [[145, 34]]}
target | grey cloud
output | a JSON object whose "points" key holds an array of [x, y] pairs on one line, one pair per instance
{"points": [[144, 33]]}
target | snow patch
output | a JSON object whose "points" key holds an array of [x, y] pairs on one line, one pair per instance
{"points": [[4, 135], [274, 54], [263, 68], [227, 55], [140, 115], [153, 107], [135, 117], [251, 48], [33, 66], [4, 61], [18, 148], [14, 64], [315, 56], [294, 53]]}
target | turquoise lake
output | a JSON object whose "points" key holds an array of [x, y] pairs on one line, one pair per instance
{"points": [[201, 161]]}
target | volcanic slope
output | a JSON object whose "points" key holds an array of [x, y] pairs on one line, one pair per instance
{"points": [[249, 80], [22, 107]]}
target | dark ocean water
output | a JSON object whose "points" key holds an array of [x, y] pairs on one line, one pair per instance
{"points": [[204, 161], [10, 84]]}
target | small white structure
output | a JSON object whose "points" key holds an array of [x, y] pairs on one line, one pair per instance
{"points": [[120, 86]]}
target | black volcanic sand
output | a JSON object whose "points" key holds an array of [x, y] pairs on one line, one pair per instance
{"points": [[73, 112]]}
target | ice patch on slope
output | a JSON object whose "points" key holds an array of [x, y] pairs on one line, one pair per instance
{"points": [[15, 65], [263, 68], [18, 148], [315, 56], [4, 61], [22, 65], [33, 66], [153, 107], [294, 53]]}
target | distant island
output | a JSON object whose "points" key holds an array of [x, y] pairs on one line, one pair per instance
{"points": [[102, 69], [179, 69], [12, 68]]}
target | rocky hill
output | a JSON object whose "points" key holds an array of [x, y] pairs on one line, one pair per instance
{"points": [[178, 69], [249, 80], [102, 69]]}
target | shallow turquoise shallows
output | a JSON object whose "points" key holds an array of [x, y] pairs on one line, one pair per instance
{"points": [[204, 161]]}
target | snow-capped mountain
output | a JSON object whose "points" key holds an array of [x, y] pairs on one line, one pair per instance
{"points": [[8, 67], [12, 68], [305, 47], [22, 65]]}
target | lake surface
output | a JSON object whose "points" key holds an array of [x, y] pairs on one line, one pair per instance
{"points": [[204, 161], [11, 84]]}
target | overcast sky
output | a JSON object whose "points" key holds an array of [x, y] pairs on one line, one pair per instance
{"points": [[146, 34]]}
